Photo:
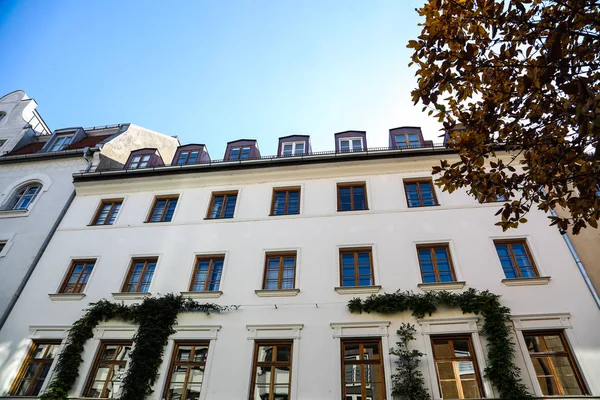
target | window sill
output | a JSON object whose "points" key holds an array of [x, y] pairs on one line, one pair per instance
{"points": [[542, 280], [348, 211], [427, 287], [66, 296], [358, 289], [157, 222], [13, 213], [277, 292], [433, 205], [202, 295], [130, 296]]}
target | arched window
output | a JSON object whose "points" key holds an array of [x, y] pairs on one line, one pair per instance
{"points": [[25, 196]]}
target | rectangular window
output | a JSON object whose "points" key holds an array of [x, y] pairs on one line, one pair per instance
{"points": [[356, 267], [239, 153], [78, 276], [163, 209], [61, 142], [293, 149], [456, 367], [348, 145], [285, 201], [352, 196], [362, 369], [207, 274], [139, 162], [515, 259], [271, 371], [186, 373], [2, 245], [554, 364], [187, 157], [222, 205], [35, 368], [408, 140], [436, 264], [108, 370], [420, 193], [280, 271], [107, 212], [140, 275]]}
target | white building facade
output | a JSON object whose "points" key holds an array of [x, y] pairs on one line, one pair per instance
{"points": [[291, 240]]}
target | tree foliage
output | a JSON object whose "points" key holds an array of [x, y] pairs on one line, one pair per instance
{"points": [[521, 75], [408, 382]]}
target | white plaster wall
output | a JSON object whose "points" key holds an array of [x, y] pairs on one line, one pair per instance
{"points": [[389, 226]]}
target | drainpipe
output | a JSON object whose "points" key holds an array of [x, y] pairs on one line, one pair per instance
{"points": [[87, 155]]}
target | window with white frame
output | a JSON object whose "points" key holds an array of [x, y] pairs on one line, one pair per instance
{"points": [[351, 144], [139, 161], [292, 148], [60, 143], [24, 196]]}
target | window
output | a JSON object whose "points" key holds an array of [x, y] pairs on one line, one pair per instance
{"points": [[356, 267], [186, 373], [34, 370], [108, 370], [456, 367], [60, 143], [2, 245], [139, 161], [436, 264], [515, 259], [239, 153], [25, 196], [2, 141], [554, 364], [348, 145], [139, 275], [188, 157], [163, 209], [285, 201], [2, 115], [78, 276], [408, 140], [222, 205], [352, 196], [280, 271], [272, 371], [420, 193], [107, 212], [207, 274], [363, 375], [293, 149]]}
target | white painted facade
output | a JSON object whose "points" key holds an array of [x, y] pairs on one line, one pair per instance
{"points": [[316, 318]]}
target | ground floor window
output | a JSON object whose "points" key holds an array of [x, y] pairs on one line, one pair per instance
{"points": [[363, 376]]}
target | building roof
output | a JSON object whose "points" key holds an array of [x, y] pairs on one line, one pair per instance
{"points": [[89, 141], [27, 149]]}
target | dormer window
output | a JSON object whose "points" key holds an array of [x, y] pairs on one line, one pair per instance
{"points": [[60, 143], [351, 144], [292, 149], [139, 161], [407, 140], [239, 153], [188, 157]]}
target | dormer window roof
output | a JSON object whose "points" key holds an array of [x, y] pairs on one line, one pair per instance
{"points": [[293, 145], [406, 138], [350, 141], [190, 154], [144, 158], [243, 149]]}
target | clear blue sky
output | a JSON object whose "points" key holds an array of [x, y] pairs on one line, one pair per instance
{"points": [[214, 71]]}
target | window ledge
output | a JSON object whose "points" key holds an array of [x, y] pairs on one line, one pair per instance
{"points": [[542, 280], [358, 289], [130, 295], [66, 296], [203, 295], [277, 292], [13, 213], [427, 287]]}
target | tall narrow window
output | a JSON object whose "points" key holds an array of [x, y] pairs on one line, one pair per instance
{"points": [[222, 205], [272, 371], [186, 373], [515, 259], [436, 264], [348, 145], [140, 275], [187, 157], [456, 367], [35, 368], [107, 373], [293, 149], [107, 212], [363, 375], [554, 364], [352, 196], [78, 276], [356, 267], [239, 153], [61, 142], [285, 201], [25, 196], [280, 271], [207, 274], [420, 193], [163, 209], [139, 161], [408, 140]]}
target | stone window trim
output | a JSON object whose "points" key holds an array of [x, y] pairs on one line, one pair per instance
{"points": [[8, 195]]}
